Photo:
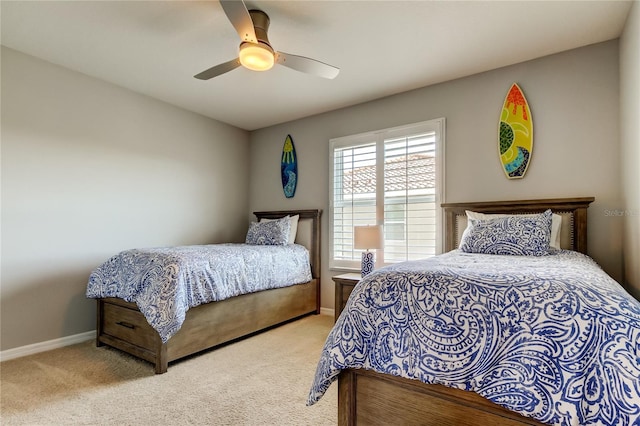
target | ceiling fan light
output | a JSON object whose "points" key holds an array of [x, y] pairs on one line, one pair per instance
{"points": [[256, 57]]}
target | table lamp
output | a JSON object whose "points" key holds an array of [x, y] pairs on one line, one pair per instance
{"points": [[367, 237]]}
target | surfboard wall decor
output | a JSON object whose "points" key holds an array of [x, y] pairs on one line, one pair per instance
{"points": [[289, 168], [515, 136]]}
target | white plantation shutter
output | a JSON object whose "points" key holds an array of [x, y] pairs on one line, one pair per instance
{"points": [[391, 177], [410, 197], [354, 197]]}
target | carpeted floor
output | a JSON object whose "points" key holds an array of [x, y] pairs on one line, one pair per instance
{"points": [[262, 380]]}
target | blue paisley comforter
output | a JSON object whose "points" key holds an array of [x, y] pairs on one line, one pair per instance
{"points": [[166, 282], [551, 337]]}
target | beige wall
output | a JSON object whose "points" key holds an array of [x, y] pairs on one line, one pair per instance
{"points": [[574, 98], [630, 147], [89, 169]]}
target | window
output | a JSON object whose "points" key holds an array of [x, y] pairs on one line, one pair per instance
{"points": [[392, 177]]}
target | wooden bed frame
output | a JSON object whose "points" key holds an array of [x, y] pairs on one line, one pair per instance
{"points": [[366, 397], [121, 325]]}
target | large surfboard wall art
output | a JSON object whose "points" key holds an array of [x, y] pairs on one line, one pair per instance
{"points": [[515, 140], [289, 168]]}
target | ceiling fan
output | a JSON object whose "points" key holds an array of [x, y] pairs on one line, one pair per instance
{"points": [[256, 52]]}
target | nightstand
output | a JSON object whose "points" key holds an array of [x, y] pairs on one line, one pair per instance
{"points": [[344, 286]]}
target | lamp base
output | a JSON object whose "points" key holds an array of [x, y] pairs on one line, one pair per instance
{"points": [[366, 267]]}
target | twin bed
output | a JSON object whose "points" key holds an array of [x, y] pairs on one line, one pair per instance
{"points": [[156, 304], [472, 338]]}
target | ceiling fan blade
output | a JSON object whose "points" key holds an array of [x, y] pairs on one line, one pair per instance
{"points": [[240, 18], [218, 69], [307, 65]]}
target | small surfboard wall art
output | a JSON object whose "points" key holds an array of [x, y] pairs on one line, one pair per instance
{"points": [[289, 168], [515, 136]]}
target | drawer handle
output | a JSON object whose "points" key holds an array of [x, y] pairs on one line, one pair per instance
{"points": [[126, 324]]}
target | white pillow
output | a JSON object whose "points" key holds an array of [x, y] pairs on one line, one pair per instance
{"points": [[556, 223], [293, 230]]}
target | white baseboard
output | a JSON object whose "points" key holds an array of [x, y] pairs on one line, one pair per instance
{"points": [[46, 346], [327, 311], [72, 340]]}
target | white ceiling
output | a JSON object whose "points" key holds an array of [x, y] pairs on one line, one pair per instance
{"points": [[381, 47]]}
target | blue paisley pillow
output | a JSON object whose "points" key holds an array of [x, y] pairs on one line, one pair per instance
{"points": [[274, 233], [513, 235]]}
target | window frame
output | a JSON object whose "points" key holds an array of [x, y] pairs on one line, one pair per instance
{"points": [[378, 137]]}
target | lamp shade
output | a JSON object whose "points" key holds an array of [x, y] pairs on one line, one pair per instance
{"points": [[367, 237]]}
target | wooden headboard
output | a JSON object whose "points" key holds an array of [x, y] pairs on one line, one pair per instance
{"points": [[573, 235], [308, 232]]}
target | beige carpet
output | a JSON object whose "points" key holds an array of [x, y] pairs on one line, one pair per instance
{"points": [[262, 380]]}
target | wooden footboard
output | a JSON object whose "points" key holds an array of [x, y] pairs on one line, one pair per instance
{"points": [[122, 326], [369, 398]]}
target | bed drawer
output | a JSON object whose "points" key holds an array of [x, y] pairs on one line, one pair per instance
{"points": [[128, 325]]}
